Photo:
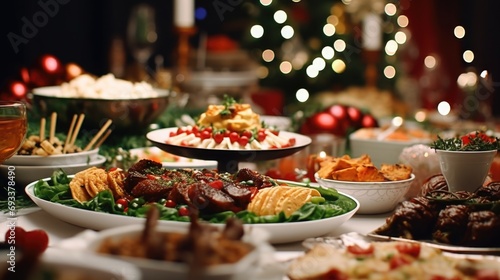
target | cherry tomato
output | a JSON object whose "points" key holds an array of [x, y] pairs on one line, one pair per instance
{"points": [[123, 202], [399, 260], [180, 130], [218, 137], [261, 136], [172, 134], [358, 250], [170, 203], [292, 141], [195, 129], [247, 133], [205, 134], [412, 249], [216, 184], [243, 140], [234, 137], [183, 211], [36, 240], [209, 129], [226, 133]]}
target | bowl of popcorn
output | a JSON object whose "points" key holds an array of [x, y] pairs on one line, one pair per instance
{"points": [[378, 189], [131, 105]]}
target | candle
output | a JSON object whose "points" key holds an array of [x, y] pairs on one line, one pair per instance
{"points": [[372, 32], [184, 13]]}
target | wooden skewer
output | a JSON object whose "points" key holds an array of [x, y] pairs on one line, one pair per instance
{"points": [[42, 129], [98, 135], [70, 132], [103, 138], [77, 129], [53, 120]]}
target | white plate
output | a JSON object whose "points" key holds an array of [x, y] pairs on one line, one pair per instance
{"points": [[23, 175], [278, 232], [174, 161], [77, 266]]}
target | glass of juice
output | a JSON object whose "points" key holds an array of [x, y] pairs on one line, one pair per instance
{"points": [[13, 126]]}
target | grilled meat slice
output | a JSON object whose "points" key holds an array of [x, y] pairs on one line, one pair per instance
{"points": [[259, 180], [241, 195], [151, 190], [483, 229], [210, 200]]}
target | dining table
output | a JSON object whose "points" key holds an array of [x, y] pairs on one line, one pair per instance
{"points": [[62, 235]]}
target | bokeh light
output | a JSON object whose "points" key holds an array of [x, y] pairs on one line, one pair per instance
{"points": [[302, 95]]}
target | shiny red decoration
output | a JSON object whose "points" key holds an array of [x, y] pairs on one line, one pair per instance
{"points": [[51, 64], [369, 121], [18, 89], [355, 116]]}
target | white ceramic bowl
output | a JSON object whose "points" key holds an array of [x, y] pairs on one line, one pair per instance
{"points": [[54, 160], [373, 197], [380, 151], [25, 174], [246, 268], [61, 264], [172, 161]]}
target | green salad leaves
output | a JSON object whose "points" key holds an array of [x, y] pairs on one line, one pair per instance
{"points": [[57, 190]]}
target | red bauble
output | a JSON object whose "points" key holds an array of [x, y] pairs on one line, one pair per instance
{"points": [[338, 111], [355, 116], [369, 121], [323, 122]]}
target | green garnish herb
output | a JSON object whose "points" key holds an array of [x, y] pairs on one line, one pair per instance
{"points": [[476, 141]]}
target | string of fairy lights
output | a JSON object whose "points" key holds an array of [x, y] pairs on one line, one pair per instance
{"points": [[330, 57]]}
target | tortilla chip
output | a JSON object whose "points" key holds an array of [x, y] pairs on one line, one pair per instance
{"points": [[96, 181], [274, 200], [396, 172], [346, 174], [116, 183], [77, 187], [369, 173]]}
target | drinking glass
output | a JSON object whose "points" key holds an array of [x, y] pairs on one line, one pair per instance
{"points": [[141, 33], [13, 126]]}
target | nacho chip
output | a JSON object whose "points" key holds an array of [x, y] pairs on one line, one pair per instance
{"points": [[369, 173], [96, 180], [346, 174], [396, 172], [272, 201], [77, 187], [116, 183]]}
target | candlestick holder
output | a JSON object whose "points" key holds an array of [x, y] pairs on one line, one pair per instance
{"points": [[183, 51], [371, 58]]}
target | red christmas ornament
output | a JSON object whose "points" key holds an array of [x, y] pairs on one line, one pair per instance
{"points": [[340, 113], [50, 64], [369, 121], [323, 122], [18, 89], [355, 116]]}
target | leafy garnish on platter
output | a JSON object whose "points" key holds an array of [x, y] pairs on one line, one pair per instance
{"points": [[57, 190], [475, 141]]}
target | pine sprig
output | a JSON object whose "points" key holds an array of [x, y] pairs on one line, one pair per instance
{"points": [[477, 141]]}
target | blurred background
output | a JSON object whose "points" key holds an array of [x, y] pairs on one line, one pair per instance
{"points": [[411, 55]]}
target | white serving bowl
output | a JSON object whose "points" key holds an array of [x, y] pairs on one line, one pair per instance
{"points": [[54, 160], [246, 268], [373, 197], [364, 141], [25, 174]]}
